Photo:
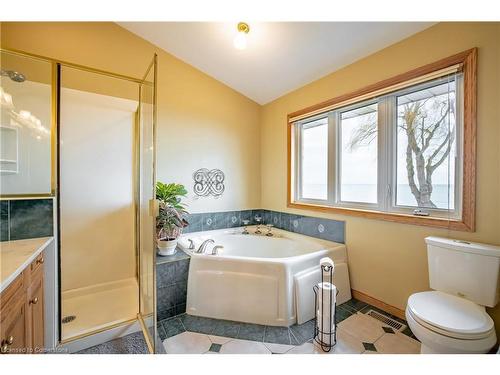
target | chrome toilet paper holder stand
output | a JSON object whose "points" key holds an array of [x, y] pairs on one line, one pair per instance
{"points": [[329, 338]]}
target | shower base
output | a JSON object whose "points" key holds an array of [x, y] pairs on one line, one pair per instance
{"points": [[99, 306]]}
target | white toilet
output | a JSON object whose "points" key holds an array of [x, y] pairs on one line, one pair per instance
{"points": [[452, 317]]}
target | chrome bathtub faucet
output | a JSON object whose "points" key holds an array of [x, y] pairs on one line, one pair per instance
{"points": [[269, 229], [215, 249], [191, 244], [258, 219], [245, 230], [203, 246]]}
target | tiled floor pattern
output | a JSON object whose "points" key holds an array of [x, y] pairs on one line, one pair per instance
{"points": [[130, 344], [357, 333]]}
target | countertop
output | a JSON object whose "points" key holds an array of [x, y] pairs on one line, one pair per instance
{"points": [[15, 256], [179, 255]]}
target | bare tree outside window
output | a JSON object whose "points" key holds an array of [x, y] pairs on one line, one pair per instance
{"points": [[426, 136]]}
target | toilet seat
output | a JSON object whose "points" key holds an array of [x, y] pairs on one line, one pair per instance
{"points": [[450, 316]]}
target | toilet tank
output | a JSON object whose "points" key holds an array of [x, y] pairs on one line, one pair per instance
{"points": [[466, 269]]}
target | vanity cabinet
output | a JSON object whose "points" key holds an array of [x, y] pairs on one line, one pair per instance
{"points": [[22, 311], [35, 307], [13, 329]]}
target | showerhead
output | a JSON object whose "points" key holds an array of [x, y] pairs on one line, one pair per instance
{"points": [[15, 76]]}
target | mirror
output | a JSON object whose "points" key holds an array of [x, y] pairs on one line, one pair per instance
{"points": [[26, 126]]}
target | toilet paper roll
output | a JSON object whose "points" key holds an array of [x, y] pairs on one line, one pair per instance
{"points": [[326, 327], [325, 314], [324, 323], [327, 294]]}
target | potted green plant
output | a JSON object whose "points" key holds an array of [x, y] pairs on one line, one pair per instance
{"points": [[171, 218]]}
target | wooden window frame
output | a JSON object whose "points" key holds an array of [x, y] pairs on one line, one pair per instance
{"points": [[468, 61]]}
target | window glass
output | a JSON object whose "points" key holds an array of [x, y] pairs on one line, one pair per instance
{"points": [[314, 159], [358, 158], [426, 137], [420, 131]]}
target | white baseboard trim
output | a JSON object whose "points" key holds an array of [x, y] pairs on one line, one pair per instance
{"points": [[100, 337]]}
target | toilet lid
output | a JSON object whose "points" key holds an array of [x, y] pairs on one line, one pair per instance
{"points": [[451, 314]]}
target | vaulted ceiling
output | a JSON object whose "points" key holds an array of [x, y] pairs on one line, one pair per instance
{"points": [[280, 56]]}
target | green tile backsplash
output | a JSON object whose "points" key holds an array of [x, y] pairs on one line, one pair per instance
{"points": [[26, 218]]}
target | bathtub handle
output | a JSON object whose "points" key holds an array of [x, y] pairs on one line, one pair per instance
{"points": [[191, 244], [215, 249]]}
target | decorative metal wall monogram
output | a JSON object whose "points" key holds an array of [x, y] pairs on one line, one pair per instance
{"points": [[208, 182]]}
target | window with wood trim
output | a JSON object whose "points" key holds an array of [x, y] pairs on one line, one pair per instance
{"points": [[400, 150]]}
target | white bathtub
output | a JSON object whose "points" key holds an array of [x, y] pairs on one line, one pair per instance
{"points": [[259, 279]]}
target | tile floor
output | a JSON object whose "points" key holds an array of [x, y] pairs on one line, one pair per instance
{"points": [[357, 333], [130, 344]]}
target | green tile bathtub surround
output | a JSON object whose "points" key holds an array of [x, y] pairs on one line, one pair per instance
{"points": [[165, 275], [26, 218], [166, 313], [194, 221], [267, 217], [180, 309], [276, 219], [180, 294], [166, 297], [171, 300], [172, 275], [171, 284], [229, 219], [246, 215], [172, 272], [179, 255], [208, 222], [331, 230]]}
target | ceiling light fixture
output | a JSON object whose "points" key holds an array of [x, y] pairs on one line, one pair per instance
{"points": [[240, 40]]}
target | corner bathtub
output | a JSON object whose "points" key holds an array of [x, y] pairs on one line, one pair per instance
{"points": [[259, 279]]}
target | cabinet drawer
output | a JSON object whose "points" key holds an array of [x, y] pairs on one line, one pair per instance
{"points": [[37, 264], [17, 286], [36, 268]]}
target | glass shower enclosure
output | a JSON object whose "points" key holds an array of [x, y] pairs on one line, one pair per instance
{"points": [[147, 206], [96, 137]]}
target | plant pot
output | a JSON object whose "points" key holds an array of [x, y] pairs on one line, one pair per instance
{"points": [[166, 246]]}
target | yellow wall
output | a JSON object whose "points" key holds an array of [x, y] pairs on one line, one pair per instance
{"points": [[388, 261], [202, 122]]}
